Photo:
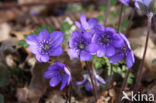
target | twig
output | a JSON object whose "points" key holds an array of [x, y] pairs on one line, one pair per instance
{"points": [[91, 77], [140, 71], [107, 12]]}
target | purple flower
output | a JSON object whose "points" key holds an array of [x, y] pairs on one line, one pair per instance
{"points": [[45, 44], [125, 2], [80, 45], [124, 51], [58, 73], [87, 82], [107, 40], [87, 26], [144, 2]]}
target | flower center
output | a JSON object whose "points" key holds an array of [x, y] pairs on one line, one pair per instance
{"points": [[105, 40], [124, 49], [63, 73], [87, 30], [81, 46], [46, 47]]}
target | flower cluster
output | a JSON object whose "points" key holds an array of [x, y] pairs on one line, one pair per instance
{"points": [[45, 45], [91, 39], [95, 39], [87, 82]]}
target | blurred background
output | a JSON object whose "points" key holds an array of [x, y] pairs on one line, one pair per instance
{"points": [[21, 76]]}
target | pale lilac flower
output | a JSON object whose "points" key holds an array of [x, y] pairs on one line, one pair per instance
{"points": [[87, 82], [87, 25], [125, 2], [107, 40], [144, 2], [81, 46], [45, 44], [58, 73], [124, 52]]}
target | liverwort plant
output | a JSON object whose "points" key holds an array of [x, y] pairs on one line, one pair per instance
{"points": [[87, 82], [122, 52], [85, 25], [58, 73], [45, 44], [81, 46]]}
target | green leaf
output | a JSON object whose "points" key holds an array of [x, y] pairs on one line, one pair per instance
{"points": [[1, 98], [116, 13], [98, 65], [101, 18], [91, 7], [114, 69], [113, 2], [21, 42], [130, 78], [75, 7], [154, 61], [130, 81], [102, 8], [50, 29], [65, 27], [123, 75], [25, 36]]}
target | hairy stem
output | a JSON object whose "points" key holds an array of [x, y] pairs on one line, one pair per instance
{"points": [[140, 71], [70, 92], [120, 18], [107, 12], [124, 85], [92, 80]]}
